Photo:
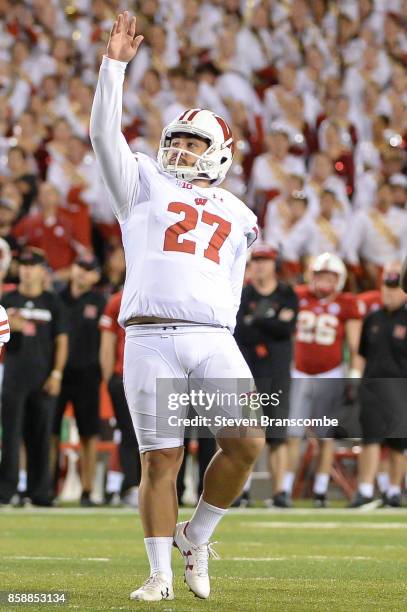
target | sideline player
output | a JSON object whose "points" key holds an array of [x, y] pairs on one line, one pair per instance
{"points": [[327, 317], [185, 243]]}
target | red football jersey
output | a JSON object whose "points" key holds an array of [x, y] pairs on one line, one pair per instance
{"points": [[58, 237], [108, 321], [320, 330], [370, 300]]}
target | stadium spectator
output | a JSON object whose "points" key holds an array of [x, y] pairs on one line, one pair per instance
{"points": [[33, 368], [321, 176], [377, 236], [277, 207], [114, 270], [270, 170], [23, 177], [383, 392], [81, 380], [292, 234], [111, 363], [52, 230], [10, 201], [58, 145], [329, 229], [265, 324], [339, 152], [398, 184]]}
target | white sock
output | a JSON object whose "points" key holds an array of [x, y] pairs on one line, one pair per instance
{"points": [[393, 490], [22, 481], [248, 484], [321, 483], [288, 482], [383, 481], [366, 489], [159, 552], [204, 522], [114, 481]]}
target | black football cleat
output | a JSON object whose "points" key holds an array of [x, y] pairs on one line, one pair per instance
{"points": [[86, 501], [320, 500], [392, 502], [282, 500], [360, 501]]}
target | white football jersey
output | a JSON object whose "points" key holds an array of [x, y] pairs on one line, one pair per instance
{"points": [[185, 246]]}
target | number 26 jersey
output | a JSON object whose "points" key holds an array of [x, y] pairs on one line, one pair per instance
{"points": [[320, 330], [185, 249]]}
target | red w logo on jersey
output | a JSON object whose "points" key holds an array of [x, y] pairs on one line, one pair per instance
{"points": [[201, 201]]}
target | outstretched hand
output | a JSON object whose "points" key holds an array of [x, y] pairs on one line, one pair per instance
{"points": [[123, 42]]}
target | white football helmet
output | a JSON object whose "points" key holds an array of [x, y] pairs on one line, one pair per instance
{"points": [[214, 163], [328, 262]]}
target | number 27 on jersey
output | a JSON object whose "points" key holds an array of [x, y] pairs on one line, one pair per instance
{"points": [[174, 235]]}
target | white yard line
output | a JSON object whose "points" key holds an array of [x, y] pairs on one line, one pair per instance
{"points": [[40, 558], [293, 557], [268, 512], [322, 525]]}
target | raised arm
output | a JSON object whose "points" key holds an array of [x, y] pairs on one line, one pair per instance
{"points": [[118, 164]]}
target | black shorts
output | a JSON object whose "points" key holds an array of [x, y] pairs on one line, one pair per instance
{"points": [[397, 444], [383, 411], [81, 387]]}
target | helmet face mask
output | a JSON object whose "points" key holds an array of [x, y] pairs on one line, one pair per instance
{"points": [[213, 164], [202, 168]]}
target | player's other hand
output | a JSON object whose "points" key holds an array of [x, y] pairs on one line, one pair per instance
{"points": [[123, 42]]}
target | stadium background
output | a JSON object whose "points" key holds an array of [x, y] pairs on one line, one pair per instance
{"points": [[315, 93]]}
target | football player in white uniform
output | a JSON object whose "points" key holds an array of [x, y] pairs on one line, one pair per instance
{"points": [[185, 242]]}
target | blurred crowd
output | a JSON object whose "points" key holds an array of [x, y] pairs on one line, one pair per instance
{"points": [[315, 93]]}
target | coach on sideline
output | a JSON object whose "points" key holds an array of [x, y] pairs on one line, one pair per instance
{"points": [[383, 391], [81, 381], [34, 362], [265, 325]]}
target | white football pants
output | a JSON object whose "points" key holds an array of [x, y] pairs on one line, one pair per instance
{"points": [[181, 357]]}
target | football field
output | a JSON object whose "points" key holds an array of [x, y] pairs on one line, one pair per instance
{"points": [[296, 560]]}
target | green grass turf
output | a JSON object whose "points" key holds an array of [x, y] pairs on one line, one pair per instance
{"points": [[305, 560]]}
